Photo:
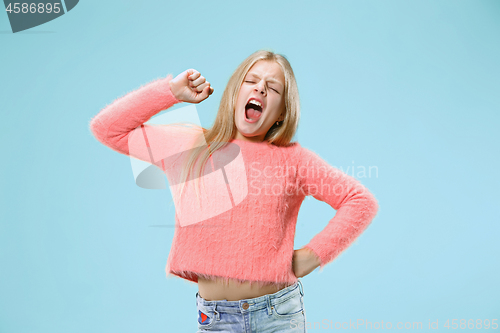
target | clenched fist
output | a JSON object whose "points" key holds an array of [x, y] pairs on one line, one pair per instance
{"points": [[190, 86]]}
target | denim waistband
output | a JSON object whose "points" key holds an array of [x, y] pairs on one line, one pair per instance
{"points": [[253, 304]]}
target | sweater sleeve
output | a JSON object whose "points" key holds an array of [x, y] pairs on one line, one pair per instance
{"points": [[120, 125], [355, 206]]}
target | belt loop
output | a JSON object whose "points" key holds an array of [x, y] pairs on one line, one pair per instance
{"points": [[217, 315], [301, 288], [269, 310]]}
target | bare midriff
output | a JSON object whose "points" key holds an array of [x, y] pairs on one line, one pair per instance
{"points": [[214, 290]]}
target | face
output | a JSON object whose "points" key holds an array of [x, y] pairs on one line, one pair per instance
{"points": [[264, 82]]}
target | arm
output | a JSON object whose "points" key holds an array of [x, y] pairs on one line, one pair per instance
{"points": [[114, 125], [355, 205], [121, 127]]}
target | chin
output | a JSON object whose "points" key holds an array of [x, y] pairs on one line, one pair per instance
{"points": [[247, 134]]}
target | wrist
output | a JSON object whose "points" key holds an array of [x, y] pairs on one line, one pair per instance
{"points": [[313, 256], [172, 91]]}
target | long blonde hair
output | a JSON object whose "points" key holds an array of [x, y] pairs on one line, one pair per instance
{"points": [[224, 127]]}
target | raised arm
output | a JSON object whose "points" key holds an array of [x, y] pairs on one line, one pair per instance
{"points": [[121, 127], [355, 205]]}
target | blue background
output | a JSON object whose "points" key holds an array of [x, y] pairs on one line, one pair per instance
{"points": [[408, 87]]}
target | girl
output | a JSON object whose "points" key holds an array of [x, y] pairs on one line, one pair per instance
{"points": [[237, 242]]}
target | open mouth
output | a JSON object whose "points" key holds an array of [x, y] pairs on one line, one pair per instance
{"points": [[253, 110]]}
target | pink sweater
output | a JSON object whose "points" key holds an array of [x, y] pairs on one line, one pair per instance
{"points": [[253, 241]]}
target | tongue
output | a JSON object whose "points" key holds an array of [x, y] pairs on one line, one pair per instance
{"points": [[253, 114]]}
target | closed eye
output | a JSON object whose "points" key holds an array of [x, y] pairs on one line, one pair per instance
{"points": [[271, 88]]}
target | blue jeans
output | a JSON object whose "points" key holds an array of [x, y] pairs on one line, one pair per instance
{"points": [[282, 311]]}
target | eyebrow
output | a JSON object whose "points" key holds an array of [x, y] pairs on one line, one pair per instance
{"points": [[272, 80]]}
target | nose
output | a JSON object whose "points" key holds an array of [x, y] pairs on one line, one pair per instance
{"points": [[261, 88]]}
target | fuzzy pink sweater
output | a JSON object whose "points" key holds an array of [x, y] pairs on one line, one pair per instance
{"points": [[253, 241]]}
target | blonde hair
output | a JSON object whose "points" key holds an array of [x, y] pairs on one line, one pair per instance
{"points": [[224, 127]]}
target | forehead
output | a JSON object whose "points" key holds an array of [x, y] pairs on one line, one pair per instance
{"points": [[269, 70]]}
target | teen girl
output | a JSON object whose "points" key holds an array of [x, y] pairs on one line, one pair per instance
{"points": [[241, 254]]}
